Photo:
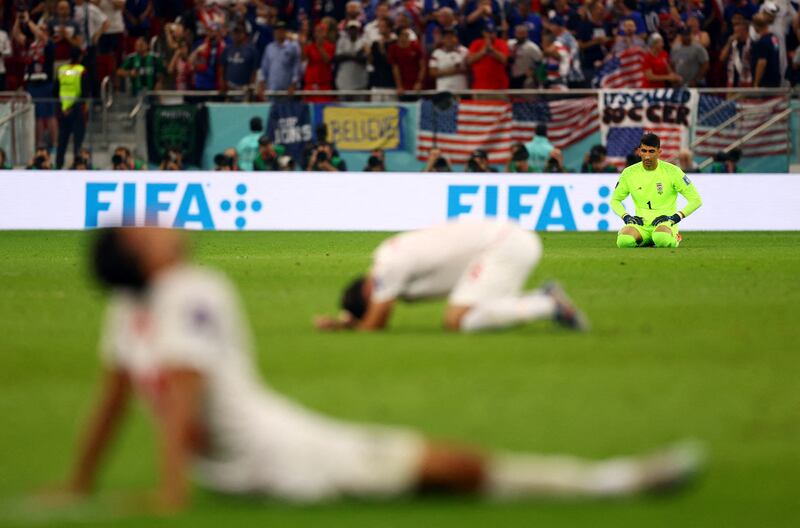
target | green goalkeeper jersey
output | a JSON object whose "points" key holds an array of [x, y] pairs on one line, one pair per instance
{"points": [[655, 192]]}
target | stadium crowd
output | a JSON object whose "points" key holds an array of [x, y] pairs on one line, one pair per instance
{"points": [[389, 47]]}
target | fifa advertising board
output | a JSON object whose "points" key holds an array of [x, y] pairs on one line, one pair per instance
{"points": [[368, 201]]}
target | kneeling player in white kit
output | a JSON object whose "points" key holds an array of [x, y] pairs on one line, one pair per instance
{"points": [[176, 336], [481, 266]]}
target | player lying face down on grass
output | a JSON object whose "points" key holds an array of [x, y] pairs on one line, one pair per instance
{"points": [[175, 336], [479, 266], [654, 185]]}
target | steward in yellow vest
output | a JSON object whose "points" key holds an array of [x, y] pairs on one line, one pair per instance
{"points": [[72, 88]]}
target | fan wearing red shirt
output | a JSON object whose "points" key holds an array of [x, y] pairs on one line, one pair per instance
{"points": [[488, 57], [319, 67], [655, 65], [408, 63]]}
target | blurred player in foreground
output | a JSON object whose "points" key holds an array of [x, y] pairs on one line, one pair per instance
{"points": [[480, 266], [654, 185], [175, 335]]}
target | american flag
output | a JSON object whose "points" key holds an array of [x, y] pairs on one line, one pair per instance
{"points": [[495, 125], [622, 141], [624, 70], [713, 111]]}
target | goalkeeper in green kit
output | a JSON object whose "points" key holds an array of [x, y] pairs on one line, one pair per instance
{"points": [[654, 185]]}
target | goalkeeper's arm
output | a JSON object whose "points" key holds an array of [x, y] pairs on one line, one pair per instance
{"points": [[620, 193], [693, 200]]}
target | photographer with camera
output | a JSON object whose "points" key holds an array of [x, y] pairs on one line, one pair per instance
{"points": [[376, 162], [226, 161], [268, 154], [173, 161], [324, 160], [726, 162], [437, 162], [595, 161], [41, 160], [555, 163], [519, 159], [123, 160], [479, 162]]}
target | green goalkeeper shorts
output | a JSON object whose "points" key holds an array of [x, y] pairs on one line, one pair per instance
{"points": [[646, 232]]}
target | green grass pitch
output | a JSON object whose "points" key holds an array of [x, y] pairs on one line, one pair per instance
{"points": [[695, 342]]}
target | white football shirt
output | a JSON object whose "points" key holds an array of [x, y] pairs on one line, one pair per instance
{"points": [[258, 441], [429, 263]]}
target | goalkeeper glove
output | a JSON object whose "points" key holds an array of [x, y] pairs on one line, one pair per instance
{"points": [[628, 219], [664, 218]]}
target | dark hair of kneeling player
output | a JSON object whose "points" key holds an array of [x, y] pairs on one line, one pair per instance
{"points": [[650, 140], [113, 264], [353, 300]]}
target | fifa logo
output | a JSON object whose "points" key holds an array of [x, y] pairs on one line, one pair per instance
{"points": [[660, 188]]}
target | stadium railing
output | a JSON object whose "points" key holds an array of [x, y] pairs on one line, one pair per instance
{"points": [[17, 126]]}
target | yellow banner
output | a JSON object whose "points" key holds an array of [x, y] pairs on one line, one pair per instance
{"points": [[352, 128]]}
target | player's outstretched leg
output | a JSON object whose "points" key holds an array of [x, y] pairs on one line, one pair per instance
{"points": [[664, 238], [520, 475]]}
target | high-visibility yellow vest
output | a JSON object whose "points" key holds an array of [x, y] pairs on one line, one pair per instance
{"points": [[69, 84]]}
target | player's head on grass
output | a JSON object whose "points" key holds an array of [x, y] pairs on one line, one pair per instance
{"points": [[354, 298], [650, 150], [129, 257]]}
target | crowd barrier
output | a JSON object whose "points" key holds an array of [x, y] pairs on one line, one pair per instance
{"points": [[368, 201]]}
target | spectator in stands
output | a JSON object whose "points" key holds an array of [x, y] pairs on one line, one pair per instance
{"points": [[38, 55], [352, 13], [558, 27], [180, 68], [686, 162], [448, 64], [350, 57], [381, 79], [372, 32], [408, 64], [630, 12], [144, 69], [627, 38], [319, 56], [280, 65], [539, 148], [4, 163], [736, 55], [480, 14], [439, 21], [5, 51], [519, 12], [93, 23], [593, 35], [656, 67], [698, 35], [437, 162], [525, 58], [519, 161], [323, 159], [745, 8], [488, 57], [199, 19], [779, 21], [555, 163], [479, 162], [239, 60], [41, 159], [376, 162], [111, 43], [247, 149], [556, 62], [267, 159], [764, 59], [65, 33], [207, 60], [726, 162], [136, 15], [596, 161], [689, 59], [72, 87]]}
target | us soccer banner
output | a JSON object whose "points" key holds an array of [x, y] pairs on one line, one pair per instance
{"points": [[289, 124], [626, 115], [356, 128]]}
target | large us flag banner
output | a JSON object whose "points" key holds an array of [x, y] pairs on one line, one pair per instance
{"points": [[626, 115]]}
